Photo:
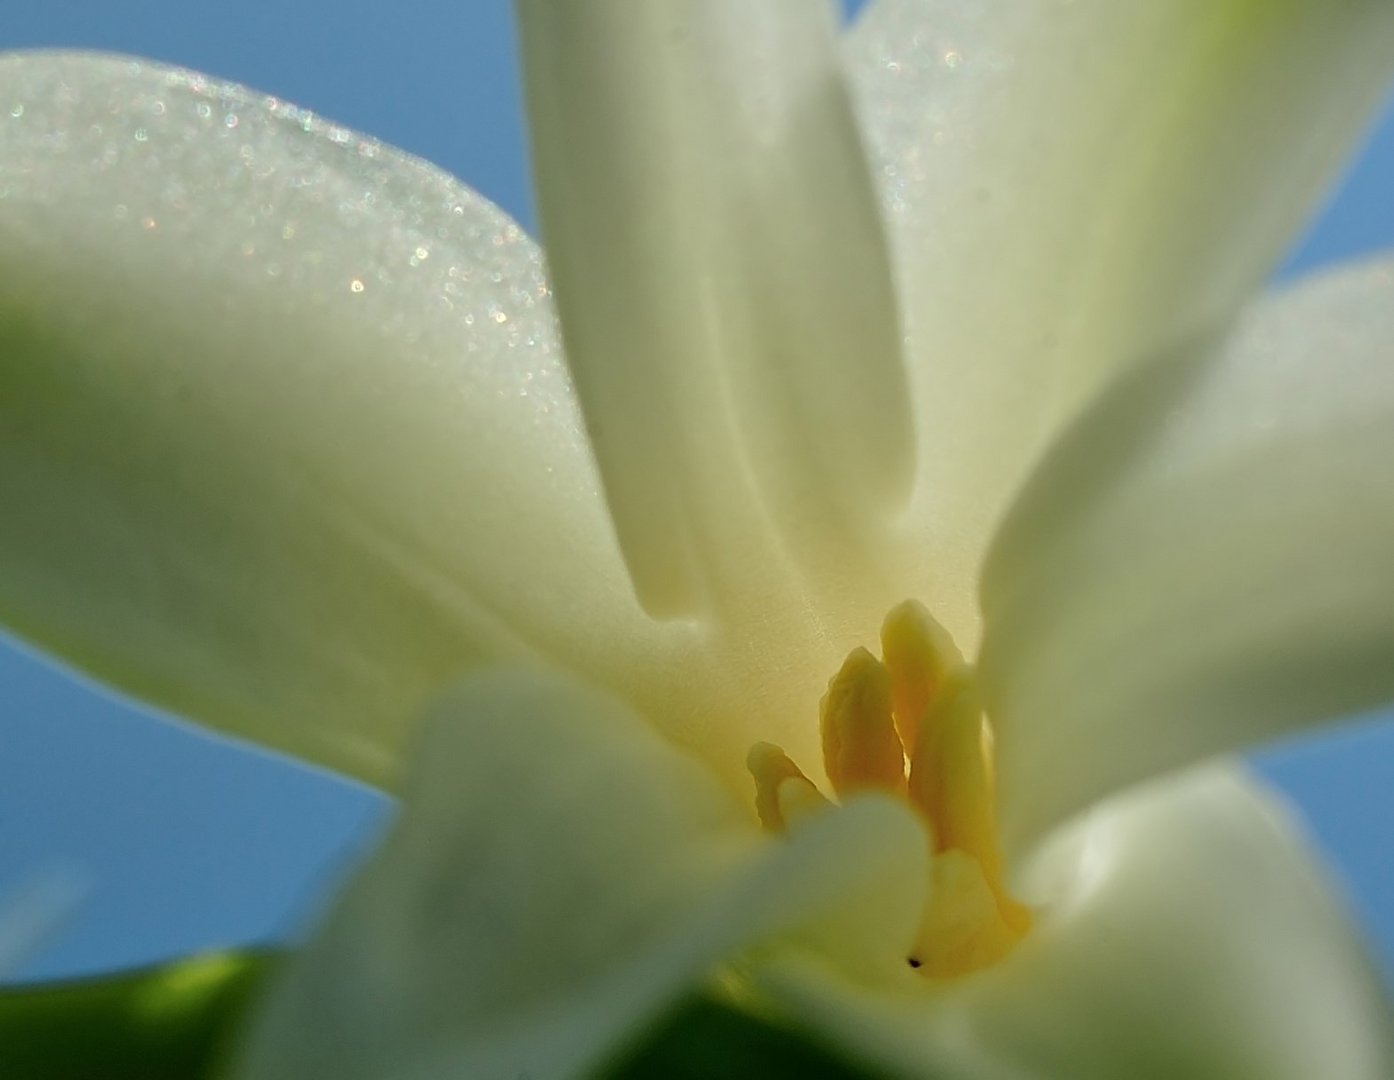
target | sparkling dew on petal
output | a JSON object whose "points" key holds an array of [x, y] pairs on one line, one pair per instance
{"points": [[917, 706]]}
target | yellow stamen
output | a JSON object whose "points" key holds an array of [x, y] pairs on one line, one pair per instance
{"points": [[861, 751], [784, 796], [922, 699], [951, 784], [949, 779], [919, 654]]}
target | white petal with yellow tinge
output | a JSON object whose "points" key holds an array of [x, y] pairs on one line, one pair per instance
{"points": [[1186, 932], [286, 442], [1072, 185], [1204, 562], [559, 878], [724, 291]]}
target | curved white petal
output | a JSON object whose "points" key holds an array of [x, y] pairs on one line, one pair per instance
{"points": [[1072, 184], [724, 292], [558, 878], [246, 490], [1187, 933], [1204, 562], [286, 442]]}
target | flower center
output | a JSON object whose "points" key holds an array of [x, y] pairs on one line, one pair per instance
{"points": [[915, 705]]}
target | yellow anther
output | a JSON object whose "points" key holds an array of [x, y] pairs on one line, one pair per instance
{"points": [[919, 654], [951, 776], [784, 796], [861, 750], [799, 800]]}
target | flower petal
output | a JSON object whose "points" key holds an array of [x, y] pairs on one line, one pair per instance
{"points": [[1073, 184], [285, 437], [1188, 933], [1204, 562], [724, 291], [559, 877]]}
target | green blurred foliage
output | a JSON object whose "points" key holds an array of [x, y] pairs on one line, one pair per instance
{"points": [[179, 1021], [171, 1022], [705, 1039]]}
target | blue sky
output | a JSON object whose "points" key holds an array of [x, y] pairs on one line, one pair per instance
{"points": [[175, 841]]}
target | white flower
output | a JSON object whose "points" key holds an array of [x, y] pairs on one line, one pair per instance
{"points": [[289, 447]]}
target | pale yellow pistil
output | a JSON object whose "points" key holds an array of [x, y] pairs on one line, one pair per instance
{"points": [[918, 705]]}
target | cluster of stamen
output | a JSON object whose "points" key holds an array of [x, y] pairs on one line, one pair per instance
{"points": [[914, 706]]}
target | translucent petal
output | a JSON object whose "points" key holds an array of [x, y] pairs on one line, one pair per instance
{"points": [[1072, 184], [1204, 562], [285, 439], [1187, 932], [724, 292], [558, 878]]}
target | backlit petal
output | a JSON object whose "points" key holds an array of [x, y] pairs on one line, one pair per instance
{"points": [[1072, 184], [724, 292], [285, 440], [1187, 933], [558, 878], [1204, 562]]}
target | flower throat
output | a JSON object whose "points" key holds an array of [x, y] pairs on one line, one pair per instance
{"points": [[915, 705]]}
